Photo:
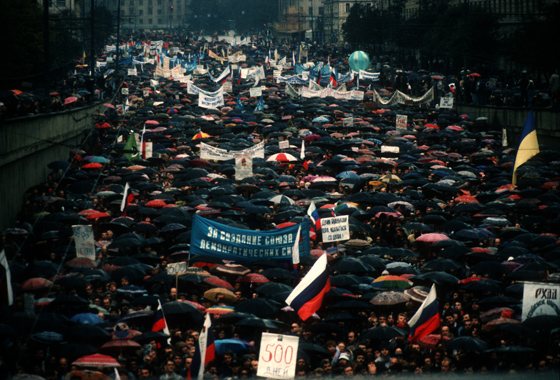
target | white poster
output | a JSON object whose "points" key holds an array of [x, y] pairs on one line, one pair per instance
{"points": [[209, 152], [401, 122], [206, 101], [540, 299], [149, 149], [243, 166], [255, 92], [176, 268], [132, 72], [335, 229], [446, 102], [278, 356], [283, 144], [83, 237]]}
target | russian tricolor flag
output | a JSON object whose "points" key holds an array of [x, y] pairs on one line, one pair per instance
{"points": [[128, 196], [224, 76], [160, 323], [314, 216], [205, 351], [307, 296], [426, 319]]}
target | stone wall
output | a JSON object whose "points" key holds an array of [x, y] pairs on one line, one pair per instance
{"points": [[29, 144]]}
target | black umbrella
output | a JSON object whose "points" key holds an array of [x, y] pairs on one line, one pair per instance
{"points": [[384, 333], [467, 343], [435, 277], [256, 322], [260, 307]]}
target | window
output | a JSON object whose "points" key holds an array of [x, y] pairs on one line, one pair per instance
{"points": [[348, 6], [160, 21], [311, 24], [159, 11], [141, 21], [61, 3], [310, 11], [141, 2], [150, 21], [159, 2], [150, 11], [140, 12]]}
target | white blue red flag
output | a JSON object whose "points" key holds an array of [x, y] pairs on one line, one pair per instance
{"points": [[426, 319], [160, 324], [205, 351], [307, 296], [224, 76], [314, 216]]}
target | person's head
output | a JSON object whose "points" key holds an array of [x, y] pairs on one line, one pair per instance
{"points": [[326, 365], [254, 365], [144, 372], [348, 371], [169, 366], [352, 337]]}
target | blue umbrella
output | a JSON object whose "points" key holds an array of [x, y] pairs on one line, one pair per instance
{"points": [[87, 319], [320, 119], [233, 345], [347, 174]]}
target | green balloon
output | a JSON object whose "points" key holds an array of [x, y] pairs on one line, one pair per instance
{"points": [[358, 61]]}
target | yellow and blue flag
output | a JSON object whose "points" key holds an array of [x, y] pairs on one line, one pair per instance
{"points": [[528, 145]]}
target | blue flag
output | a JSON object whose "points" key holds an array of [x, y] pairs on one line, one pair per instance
{"points": [[260, 105], [239, 104]]}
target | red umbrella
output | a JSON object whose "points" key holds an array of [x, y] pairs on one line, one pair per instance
{"points": [[97, 360], [98, 214], [70, 99], [252, 278], [152, 122], [281, 157], [35, 283], [156, 203], [197, 305], [233, 269], [105, 125], [92, 165], [109, 105], [466, 199], [118, 346], [217, 282], [81, 262], [431, 237], [286, 224]]}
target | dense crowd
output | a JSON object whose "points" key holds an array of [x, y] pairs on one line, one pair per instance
{"points": [[450, 180]]}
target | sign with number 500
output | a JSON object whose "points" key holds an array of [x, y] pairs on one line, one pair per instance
{"points": [[278, 356]]}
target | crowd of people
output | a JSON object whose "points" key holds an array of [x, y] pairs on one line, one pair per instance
{"points": [[437, 208]]}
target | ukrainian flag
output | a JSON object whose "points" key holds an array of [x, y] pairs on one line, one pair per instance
{"points": [[528, 145]]}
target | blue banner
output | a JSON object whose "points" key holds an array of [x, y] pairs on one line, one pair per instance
{"points": [[229, 243]]}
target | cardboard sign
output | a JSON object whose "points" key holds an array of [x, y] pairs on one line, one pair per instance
{"points": [[446, 102], [228, 87], [243, 166], [255, 92], [278, 356], [283, 144], [83, 237], [348, 121], [402, 121], [176, 268], [124, 90], [335, 229]]}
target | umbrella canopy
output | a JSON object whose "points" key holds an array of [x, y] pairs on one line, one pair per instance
{"points": [[389, 298], [97, 360], [467, 343], [391, 282], [220, 295]]}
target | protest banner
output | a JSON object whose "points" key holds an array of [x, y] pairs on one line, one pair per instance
{"points": [[83, 238], [540, 299], [278, 356], [335, 229], [402, 121], [230, 243]]}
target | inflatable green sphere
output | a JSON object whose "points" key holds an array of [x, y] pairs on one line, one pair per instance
{"points": [[358, 61]]}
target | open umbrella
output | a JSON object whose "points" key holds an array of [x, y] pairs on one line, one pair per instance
{"points": [[282, 157], [467, 343], [215, 294], [233, 345], [391, 282], [389, 298], [260, 307], [97, 361], [384, 333]]}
